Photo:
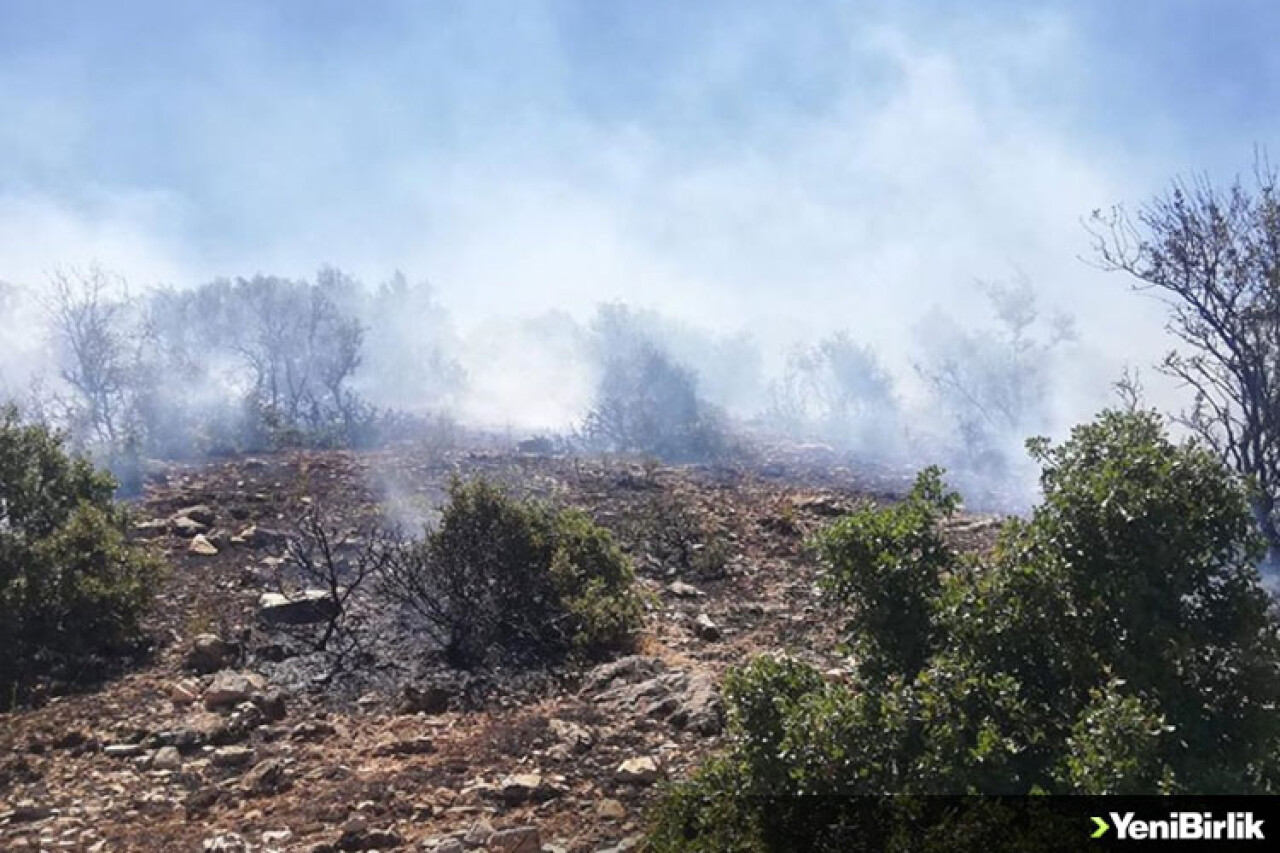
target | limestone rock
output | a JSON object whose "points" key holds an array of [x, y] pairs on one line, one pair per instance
{"points": [[526, 787], [262, 537], [186, 527], [210, 653], [123, 750], [611, 809], [151, 529], [706, 628], [166, 758], [680, 589], [303, 608], [407, 746], [200, 513], [201, 546], [227, 842], [231, 756], [228, 689], [637, 771], [266, 778], [524, 839]]}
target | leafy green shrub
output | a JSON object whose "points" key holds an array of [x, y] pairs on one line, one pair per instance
{"points": [[1118, 641], [593, 583], [71, 589], [885, 566], [501, 577]]}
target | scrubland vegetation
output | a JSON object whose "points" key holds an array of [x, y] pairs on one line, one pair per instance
{"points": [[1115, 642], [1117, 637], [72, 590]]}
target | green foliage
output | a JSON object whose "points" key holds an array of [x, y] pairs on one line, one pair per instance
{"points": [[885, 566], [1118, 641], [1116, 744], [71, 589], [594, 584], [502, 577]]}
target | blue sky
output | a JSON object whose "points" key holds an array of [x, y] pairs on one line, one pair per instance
{"points": [[740, 163]]}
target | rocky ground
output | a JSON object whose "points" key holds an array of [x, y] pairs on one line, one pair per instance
{"points": [[234, 736]]}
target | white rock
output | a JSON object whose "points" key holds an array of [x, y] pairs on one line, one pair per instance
{"points": [[201, 546], [637, 771], [301, 608]]}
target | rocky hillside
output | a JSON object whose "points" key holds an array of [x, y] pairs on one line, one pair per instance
{"points": [[234, 734]]}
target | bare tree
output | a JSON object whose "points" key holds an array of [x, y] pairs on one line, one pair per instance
{"points": [[1129, 390], [1212, 255], [836, 390], [88, 320], [332, 567], [994, 382]]}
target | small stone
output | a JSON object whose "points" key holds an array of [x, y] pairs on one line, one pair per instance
{"points": [[182, 694], [479, 834], [524, 839], [262, 537], [228, 842], [274, 839], [151, 529], [637, 771], [268, 777], [231, 756], [631, 842], [524, 787], [373, 839], [187, 527], [611, 809], [247, 716], [702, 709], [407, 746], [303, 608], [202, 799], [29, 811], [574, 736], [210, 653], [273, 703], [123, 750], [706, 628], [228, 689], [680, 589], [448, 845], [199, 513], [166, 758], [201, 546], [311, 731]]}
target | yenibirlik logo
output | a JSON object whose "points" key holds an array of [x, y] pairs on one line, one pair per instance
{"points": [[1182, 826]]}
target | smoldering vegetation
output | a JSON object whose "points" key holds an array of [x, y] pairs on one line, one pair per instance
{"points": [[259, 363]]}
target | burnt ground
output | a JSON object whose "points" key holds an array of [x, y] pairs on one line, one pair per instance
{"points": [[396, 751]]}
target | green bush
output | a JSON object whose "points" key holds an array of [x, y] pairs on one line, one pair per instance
{"points": [[1118, 641], [885, 567], [593, 583], [506, 578], [71, 589]]}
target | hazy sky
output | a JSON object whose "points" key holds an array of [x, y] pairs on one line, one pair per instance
{"points": [[773, 166]]}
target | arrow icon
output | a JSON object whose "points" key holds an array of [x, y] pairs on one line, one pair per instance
{"points": [[1102, 825]]}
